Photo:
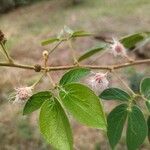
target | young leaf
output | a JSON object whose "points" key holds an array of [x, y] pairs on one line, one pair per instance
{"points": [[84, 105], [115, 94], [116, 120], [145, 91], [49, 41], [148, 124], [136, 128], [74, 75], [35, 101], [80, 34], [91, 52], [131, 40], [54, 125]]}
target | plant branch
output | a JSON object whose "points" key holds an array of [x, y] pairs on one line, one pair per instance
{"points": [[67, 67], [15, 65]]}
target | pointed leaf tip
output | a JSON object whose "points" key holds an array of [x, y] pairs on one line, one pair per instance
{"points": [[54, 125]]}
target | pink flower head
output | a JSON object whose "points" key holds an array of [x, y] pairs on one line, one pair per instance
{"points": [[22, 94], [99, 81], [117, 49]]}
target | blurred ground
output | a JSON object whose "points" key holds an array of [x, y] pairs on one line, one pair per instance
{"points": [[26, 27]]}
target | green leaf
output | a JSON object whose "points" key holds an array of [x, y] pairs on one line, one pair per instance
{"points": [[80, 34], [74, 34], [91, 52], [74, 75], [54, 125], [148, 124], [115, 94], [148, 105], [84, 105], [49, 41], [35, 101], [116, 120], [136, 128], [145, 88], [145, 91], [131, 40]]}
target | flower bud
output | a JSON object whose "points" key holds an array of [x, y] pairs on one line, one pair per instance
{"points": [[45, 54]]}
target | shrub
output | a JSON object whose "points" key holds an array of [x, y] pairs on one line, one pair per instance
{"points": [[84, 101]]}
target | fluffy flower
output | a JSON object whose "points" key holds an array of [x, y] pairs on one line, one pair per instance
{"points": [[99, 81], [22, 94], [117, 49], [65, 33]]}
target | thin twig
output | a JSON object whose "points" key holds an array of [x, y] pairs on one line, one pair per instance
{"points": [[123, 82], [6, 53], [15, 65], [51, 80], [38, 80], [55, 47], [72, 51]]}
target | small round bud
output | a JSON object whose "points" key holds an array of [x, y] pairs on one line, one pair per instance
{"points": [[45, 53], [37, 68]]}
